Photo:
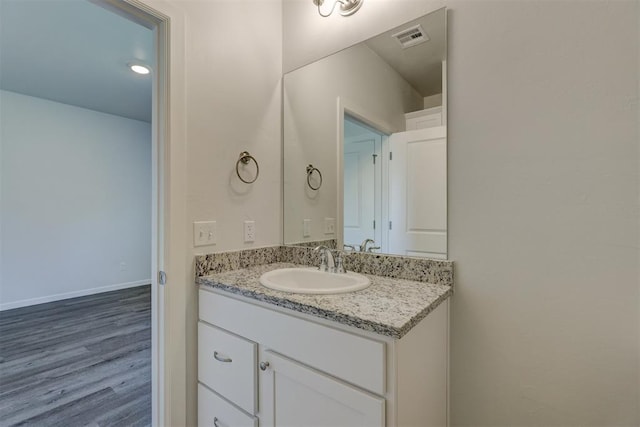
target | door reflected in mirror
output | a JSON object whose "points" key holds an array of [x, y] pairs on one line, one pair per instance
{"points": [[372, 119], [362, 194]]}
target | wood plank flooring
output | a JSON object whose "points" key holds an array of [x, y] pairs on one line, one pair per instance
{"points": [[78, 362]]}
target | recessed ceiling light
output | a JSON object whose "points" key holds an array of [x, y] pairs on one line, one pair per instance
{"points": [[139, 68]]}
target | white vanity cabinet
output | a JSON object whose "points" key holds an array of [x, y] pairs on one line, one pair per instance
{"points": [[260, 365]]}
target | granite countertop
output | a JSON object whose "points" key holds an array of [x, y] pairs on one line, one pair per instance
{"points": [[388, 307]]}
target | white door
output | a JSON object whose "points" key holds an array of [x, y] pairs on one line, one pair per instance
{"points": [[294, 395], [362, 188], [418, 193]]}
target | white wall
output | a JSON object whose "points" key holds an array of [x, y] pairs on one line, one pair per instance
{"points": [[560, 169], [233, 67], [543, 201], [366, 83], [76, 201]]}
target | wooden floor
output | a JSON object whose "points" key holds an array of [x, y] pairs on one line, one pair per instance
{"points": [[78, 362]]}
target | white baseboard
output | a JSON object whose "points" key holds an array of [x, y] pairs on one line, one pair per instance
{"points": [[74, 294]]}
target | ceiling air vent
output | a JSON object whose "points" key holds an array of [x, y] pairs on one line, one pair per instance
{"points": [[411, 36]]}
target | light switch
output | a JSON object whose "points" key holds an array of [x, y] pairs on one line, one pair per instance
{"points": [[204, 233], [306, 228]]}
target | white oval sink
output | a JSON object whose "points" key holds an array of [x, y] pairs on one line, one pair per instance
{"points": [[313, 281]]}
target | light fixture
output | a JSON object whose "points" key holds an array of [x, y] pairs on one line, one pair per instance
{"points": [[139, 68], [347, 7]]}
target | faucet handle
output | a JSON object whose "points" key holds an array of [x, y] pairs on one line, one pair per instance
{"points": [[372, 248], [363, 246], [324, 264], [339, 267]]}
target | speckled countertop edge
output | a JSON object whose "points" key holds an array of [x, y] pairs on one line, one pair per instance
{"points": [[394, 266], [390, 306]]}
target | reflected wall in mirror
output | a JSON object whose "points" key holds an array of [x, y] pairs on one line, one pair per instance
{"points": [[372, 120]]}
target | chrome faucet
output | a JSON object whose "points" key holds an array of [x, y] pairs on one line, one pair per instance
{"points": [[326, 259], [363, 246], [327, 262], [351, 248]]}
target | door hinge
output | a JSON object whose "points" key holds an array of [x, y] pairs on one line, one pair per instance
{"points": [[162, 277], [390, 155], [374, 158], [390, 225]]}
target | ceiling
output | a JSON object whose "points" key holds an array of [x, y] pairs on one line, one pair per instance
{"points": [[75, 52], [420, 65]]}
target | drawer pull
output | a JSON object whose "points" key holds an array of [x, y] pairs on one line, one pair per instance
{"points": [[221, 359], [215, 422], [264, 365]]}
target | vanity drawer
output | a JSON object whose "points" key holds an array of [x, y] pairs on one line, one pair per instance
{"points": [[227, 364], [215, 411], [352, 358]]}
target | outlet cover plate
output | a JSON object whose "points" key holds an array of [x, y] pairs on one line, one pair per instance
{"points": [[249, 231], [329, 226]]}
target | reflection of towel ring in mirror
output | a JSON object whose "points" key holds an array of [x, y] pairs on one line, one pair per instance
{"points": [[310, 171], [244, 159]]}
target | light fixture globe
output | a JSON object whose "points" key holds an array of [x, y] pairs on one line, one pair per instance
{"points": [[347, 7]]}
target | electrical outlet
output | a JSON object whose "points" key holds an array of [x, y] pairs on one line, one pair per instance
{"points": [[204, 233], [329, 226], [306, 228], [249, 231]]}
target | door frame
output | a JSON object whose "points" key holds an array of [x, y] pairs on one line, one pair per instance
{"points": [[164, 225]]}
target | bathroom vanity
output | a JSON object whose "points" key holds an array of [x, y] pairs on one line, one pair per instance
{"points": [[364, 160], [376, 357]]}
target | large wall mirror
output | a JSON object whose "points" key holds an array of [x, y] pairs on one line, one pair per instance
{"points": [[365, 145]]}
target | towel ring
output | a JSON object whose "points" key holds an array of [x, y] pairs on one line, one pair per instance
{"points": [[244, 159], [310, 171]]}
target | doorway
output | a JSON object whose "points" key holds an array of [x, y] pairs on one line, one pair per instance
{"points": [[363, 185], [156, 23]]}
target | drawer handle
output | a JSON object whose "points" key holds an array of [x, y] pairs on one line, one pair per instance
{"points": [[216, 355], [264, 365], [215, 422]]}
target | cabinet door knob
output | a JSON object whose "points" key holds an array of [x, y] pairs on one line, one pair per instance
{"points": [[219, 358], [264, 365], [215, 422]]}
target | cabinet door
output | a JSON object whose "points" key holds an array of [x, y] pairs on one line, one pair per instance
{"points": [[294, 395]]}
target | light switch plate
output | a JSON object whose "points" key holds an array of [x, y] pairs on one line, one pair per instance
{"points": [[204, 233], [249, 231], [329, 226], [306, 228]]}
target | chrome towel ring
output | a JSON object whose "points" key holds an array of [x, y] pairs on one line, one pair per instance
{"points": [[244, 159], [310, 171]]}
